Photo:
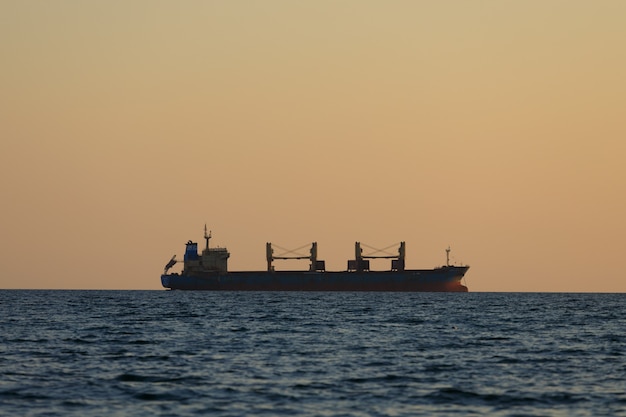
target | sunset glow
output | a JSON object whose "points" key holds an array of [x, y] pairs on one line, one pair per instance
{"points": [[496, 128]]}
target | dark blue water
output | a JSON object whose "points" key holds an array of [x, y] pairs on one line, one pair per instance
{"points": [[145, 353]]}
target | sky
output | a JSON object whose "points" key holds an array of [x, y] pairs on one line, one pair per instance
{"points": [[497, 128]]}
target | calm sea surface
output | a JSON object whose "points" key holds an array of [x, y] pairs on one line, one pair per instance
{"points": [[146, 353]]}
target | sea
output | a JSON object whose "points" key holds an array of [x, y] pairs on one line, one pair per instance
{"points": [[176, 353]]}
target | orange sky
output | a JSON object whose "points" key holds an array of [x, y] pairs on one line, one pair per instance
{"points": [[495, 127]]}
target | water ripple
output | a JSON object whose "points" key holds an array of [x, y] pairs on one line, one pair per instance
{"points": [[141, 353]]}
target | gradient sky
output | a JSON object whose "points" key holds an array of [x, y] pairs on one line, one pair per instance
{"points": [[495, 127]]}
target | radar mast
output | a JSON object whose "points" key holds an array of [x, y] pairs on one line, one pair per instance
{"points": [[207, 236]]}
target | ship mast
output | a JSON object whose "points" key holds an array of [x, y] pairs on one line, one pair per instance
{"points": [[448, 256], [207, 236]]}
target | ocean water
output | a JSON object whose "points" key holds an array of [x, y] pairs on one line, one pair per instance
{"points": [[170, 353]]}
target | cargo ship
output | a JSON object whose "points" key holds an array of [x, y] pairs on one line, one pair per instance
{"points": [[208, 270]]}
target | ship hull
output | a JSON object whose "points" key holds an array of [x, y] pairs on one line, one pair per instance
{"points": [[445, 279]]}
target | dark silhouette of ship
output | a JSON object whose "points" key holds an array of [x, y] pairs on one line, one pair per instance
{"points": [[208, 270]]}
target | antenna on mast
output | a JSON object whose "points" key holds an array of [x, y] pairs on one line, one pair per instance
{"points": [[207, 236]]}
